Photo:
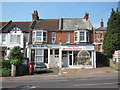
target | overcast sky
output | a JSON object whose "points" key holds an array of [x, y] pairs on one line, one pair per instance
{"points": [[22, 11]]}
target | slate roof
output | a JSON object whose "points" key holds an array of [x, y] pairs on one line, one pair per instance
{"points": [[76, 24]]}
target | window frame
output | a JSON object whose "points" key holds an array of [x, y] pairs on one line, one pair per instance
{"points": [[5, 39], [99, 36], [34, 37], [16, 37], [67, 37], [99, 47], [53, 37], [85, 36]]}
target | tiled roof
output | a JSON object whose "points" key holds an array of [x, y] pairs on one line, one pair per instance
{"points": [[24, 26], [64, 24], [76, 24], [47, 24], [101, 28]]}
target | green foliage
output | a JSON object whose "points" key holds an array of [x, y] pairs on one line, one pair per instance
{"points": [[5, 64], [15, 53], [111, 41], [15, 61], [5, 72]]}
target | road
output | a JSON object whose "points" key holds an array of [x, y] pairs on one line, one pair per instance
{"points": [[76, 83]]}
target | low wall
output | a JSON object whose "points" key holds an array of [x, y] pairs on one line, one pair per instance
{"points": [[114, 64]]}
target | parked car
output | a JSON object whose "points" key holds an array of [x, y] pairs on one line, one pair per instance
{"points": [[40, 67]]}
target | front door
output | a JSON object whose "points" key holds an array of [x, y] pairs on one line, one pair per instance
{"points": [[54, 58], [65, 60]]}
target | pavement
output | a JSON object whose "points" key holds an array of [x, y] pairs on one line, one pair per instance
{"points": [[62, 74]]}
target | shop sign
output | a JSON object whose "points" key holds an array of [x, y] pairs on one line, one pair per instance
{"points": [[78, 47], [41, 46]]}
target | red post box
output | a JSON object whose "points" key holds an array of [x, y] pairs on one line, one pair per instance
{"points": [[31, 68]]}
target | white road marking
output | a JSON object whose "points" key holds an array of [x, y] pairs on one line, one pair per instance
{"points": [[95, 84]]}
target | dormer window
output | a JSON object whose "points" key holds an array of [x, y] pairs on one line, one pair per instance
{"points": [[39, 36], [81, 36]]}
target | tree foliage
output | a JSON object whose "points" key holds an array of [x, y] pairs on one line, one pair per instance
{"points": [[15, 53], [112, 36]]}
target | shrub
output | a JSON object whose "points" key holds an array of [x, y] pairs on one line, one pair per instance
{"points": [[5, 64], [5, 72]]}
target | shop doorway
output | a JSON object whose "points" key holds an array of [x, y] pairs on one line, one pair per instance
{"points": [[54, 58]]}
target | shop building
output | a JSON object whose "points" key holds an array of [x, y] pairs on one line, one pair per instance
{"points": [[59, 43], [62, 43]]}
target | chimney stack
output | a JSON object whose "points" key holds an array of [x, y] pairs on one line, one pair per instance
{"points": [[101, 23], [35, 15], [86, 16]]}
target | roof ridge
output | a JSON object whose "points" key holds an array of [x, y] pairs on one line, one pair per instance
{"points": [[6, 24]]}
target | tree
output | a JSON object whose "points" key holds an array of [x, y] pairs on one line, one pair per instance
{"points": [[112, 36], [15, 53], [15, 57]]}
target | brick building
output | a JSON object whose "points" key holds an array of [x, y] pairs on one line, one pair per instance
{"points": [[99, 35], [59, 43]]}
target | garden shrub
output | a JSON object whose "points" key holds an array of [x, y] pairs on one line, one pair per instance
{"points": [[5, 64], [5, 72]]}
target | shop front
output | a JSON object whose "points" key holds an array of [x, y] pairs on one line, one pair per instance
{"points": [[77, 56], [63, 56]]}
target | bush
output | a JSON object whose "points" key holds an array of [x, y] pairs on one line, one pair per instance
{"points": [[5, 64], [5, 72]]}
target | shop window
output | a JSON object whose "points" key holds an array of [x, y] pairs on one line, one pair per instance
{"points": [[81, 58], [45, 55], [64, 52], [67, 37], [53, 37]]}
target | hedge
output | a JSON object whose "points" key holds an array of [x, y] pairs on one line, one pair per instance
{"points": [[5, 72]]}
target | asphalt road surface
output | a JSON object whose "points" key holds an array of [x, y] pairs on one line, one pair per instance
{"points": [[79, 83]]}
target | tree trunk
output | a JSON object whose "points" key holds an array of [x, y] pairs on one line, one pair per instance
{"points": [[13, 71]]}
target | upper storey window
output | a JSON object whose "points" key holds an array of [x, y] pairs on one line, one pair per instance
{"points": [[99, 36], [53, 37], [39, 36], [15, 35], [81, 36], [3, 38]]}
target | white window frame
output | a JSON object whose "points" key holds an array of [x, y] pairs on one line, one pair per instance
{"points": [[53, 37], [78, 35], [16, 37], [37, 55], [34, 37], [4, 42], [67, 37]]}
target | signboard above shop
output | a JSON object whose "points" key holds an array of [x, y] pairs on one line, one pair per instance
{"points": [[78, 47]]}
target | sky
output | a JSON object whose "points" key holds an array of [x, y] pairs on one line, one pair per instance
{"points": [[22, 11]]}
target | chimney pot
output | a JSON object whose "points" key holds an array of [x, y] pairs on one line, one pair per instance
{"points": [[101, 23], [86, 16]]}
